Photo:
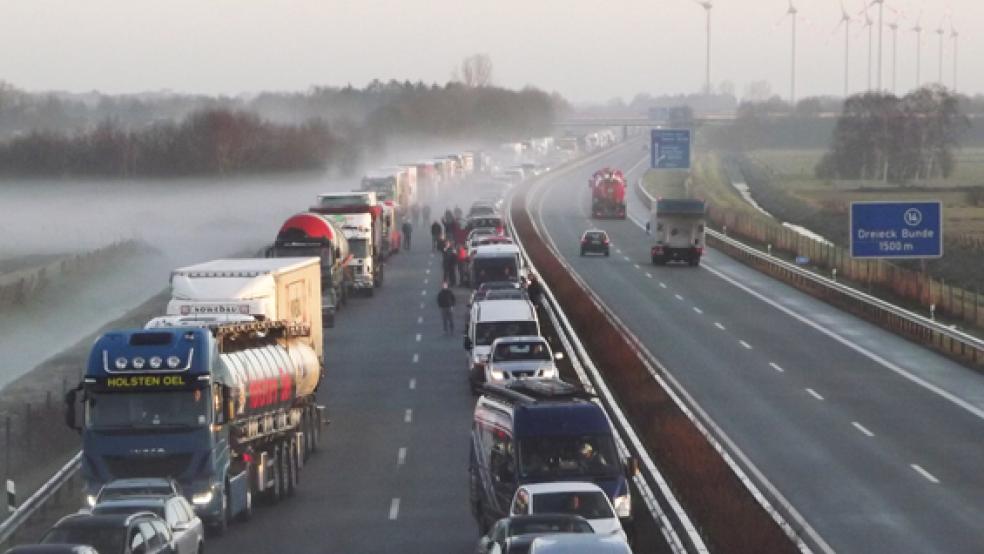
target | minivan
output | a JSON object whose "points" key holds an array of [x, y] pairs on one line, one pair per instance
{"points": [[541, 431]]}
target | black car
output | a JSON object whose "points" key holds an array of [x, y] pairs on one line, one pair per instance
{"points": [[595, 241], [53, 549], [187, 529], [514, 534], [139, 533]]}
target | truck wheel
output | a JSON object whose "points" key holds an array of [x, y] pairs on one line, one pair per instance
{"points": [[290, 461], [221, 523], [695, 261], [283, 461], [276, 492]]}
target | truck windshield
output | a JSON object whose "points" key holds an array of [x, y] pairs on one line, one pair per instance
{"points": [[567, 456], [359, 248], [146, 410], [342, 201], [485, 333], [499, 268]]}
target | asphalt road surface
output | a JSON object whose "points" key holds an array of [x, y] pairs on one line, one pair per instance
{"points": [[875, 441]]}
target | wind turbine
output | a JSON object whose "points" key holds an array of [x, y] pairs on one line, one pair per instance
{"points": [[791, 12], [894, 26], [881, 13], [918, 30], [869, 23], [940, 32], [707, 5], [954, 35], [845, 20]]}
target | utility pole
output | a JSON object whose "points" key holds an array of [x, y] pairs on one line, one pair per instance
{"points": [[894, 26]]}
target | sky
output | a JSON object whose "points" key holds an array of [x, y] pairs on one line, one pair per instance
{"points": [[588, 50]]}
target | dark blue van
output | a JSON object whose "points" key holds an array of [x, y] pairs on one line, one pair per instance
{"points": [[536, 431]]}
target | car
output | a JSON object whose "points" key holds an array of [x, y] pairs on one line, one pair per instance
{"points": [[139, 533], [569, 497], [528, 357], [488, 287], [514, 534], [481, 208], [186, 527], [495, 262], [52, 549], [140, 486], [595, 241], [579, 544]]}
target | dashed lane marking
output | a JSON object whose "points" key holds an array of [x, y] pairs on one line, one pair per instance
{"points": [[420, 319], [413, 384], [862, 428], [636, 266], [423, 293], [718, 325], [408, 416], [426, 280], [626, 258], [814, 394], [776, 367], [650, 275], [698, 310], [663, 285], [929, 476], [416, 358], [678, 297], [401, 456], [418, 337], [394, 509], [745, 344]]}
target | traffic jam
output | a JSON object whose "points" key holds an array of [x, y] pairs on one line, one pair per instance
{"points": [[210, 408]]}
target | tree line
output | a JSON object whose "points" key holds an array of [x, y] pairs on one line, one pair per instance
{"points": [[883, 137]]}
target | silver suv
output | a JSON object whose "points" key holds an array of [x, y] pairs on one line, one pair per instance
{"points": [[527, 357]]}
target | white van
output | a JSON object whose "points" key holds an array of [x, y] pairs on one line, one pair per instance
{"points": [[490, 320]]}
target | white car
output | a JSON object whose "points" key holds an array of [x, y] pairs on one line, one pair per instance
{"points": [[521, 358], [569, 497]]}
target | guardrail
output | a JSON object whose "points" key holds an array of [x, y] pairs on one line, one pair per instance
{"points": [[678, 529], [37, 501], [951, 342]]}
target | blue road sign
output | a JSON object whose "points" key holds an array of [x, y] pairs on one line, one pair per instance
{"points": [[897, 229], [670, 149]]}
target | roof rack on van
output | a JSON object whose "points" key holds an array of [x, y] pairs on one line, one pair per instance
{"points": [[531, 391]]}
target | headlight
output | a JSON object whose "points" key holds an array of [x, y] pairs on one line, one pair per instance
{"points": [[623, 505], [202, 498], [90, 499], [549, 373], [496, 375]]}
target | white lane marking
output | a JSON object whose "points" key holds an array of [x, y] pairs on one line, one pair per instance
{"points": [[408, 416], [394, 509], [776, 367], [814, 394], [418, 337], [413, 384], [401, 456], [426, 280], [718, 325], [698, 310], [678, 297], [862, 428], [745, 344], [954, 399], [636, 266], [650, 275], [427, 272], [617, 251], [929, 476], [662, 284], [420, 319], [416, 358], [423, 293], [421, 305], [626, 258]]}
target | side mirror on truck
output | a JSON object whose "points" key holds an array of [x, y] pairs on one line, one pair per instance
{"points": [[70, 406]]}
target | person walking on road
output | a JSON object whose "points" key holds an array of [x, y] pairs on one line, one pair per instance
{"points": [[446, 302], [407, 229], [436, 230]]}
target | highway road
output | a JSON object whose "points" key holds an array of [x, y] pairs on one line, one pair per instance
{"points": [[392, 473], [873, 440]]}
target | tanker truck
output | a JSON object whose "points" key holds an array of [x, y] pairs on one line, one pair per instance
{"points": [[607, 193], [310, 234], [228, 412]]}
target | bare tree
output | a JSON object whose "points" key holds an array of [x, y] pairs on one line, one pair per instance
{"points": [[476, 71]]}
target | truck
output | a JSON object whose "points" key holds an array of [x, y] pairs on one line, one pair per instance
{"points": [[607, 193], [228, 412], [393, 183], [359, 216], [677, 225], [311, 234], [269, 289]]}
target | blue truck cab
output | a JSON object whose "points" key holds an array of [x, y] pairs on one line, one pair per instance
{"points": [[153, 406], [535, 431]]}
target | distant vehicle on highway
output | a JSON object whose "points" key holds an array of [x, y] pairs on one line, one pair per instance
{"points": [[482, 207], [495, 262], [521, 358], [513, 535], [579, 544], [537, 431], [137, 486], [677, 225], [569, 497], [139, 533], [186, 527], [595, 241]]}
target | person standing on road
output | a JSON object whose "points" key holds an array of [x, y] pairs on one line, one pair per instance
{"points": [[407, 229], [436, 229], [446, 302], [450, 263]]}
